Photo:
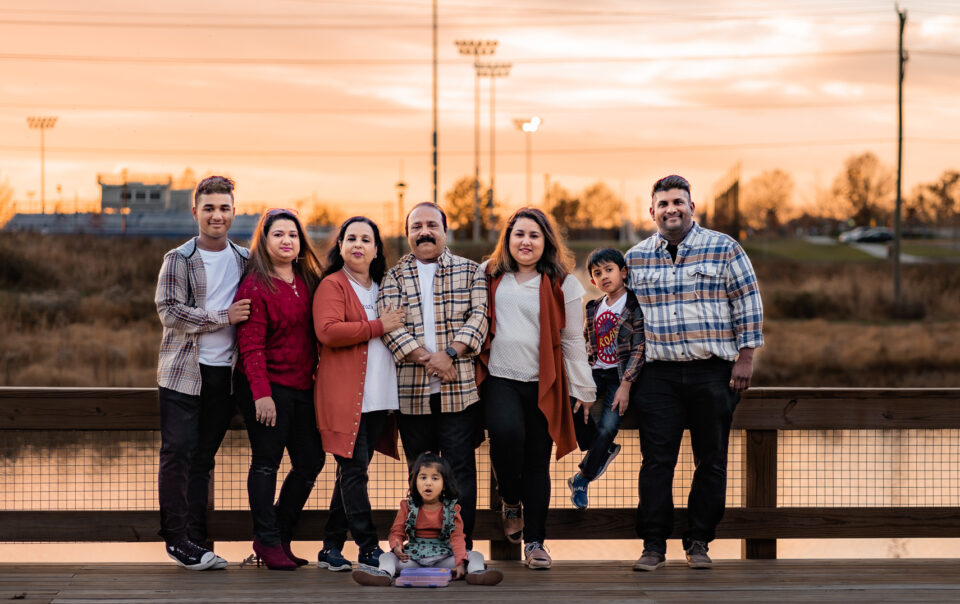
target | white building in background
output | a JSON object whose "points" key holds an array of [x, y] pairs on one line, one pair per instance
{"points": [[146, 192]]}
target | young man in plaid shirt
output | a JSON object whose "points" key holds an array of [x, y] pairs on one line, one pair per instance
{"points": [[194, 298], [702, 320], [445, 297]]}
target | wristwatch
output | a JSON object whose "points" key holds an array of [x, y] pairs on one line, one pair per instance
{"points": [[451, 352]]}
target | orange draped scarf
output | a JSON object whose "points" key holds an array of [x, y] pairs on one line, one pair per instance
{"points": [[553, 397]]}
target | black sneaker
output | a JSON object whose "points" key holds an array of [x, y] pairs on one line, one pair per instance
{"points": [[332, 559], [190, 555]]}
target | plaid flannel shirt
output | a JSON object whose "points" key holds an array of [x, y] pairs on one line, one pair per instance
{"points": [[181, 295], [704, 304], [460, 308], [629, 338]]}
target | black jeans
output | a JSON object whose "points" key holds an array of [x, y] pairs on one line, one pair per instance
{"points": [[350, 504], [296, 430], [453, 436], [520, 448], [596, 437], [669, 397], [191, 430]]}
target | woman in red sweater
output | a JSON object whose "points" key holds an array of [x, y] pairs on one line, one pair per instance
{"points": [[279, 356], [356, 390]]}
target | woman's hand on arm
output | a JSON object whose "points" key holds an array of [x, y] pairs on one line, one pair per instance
{"points": [[266, 411]]}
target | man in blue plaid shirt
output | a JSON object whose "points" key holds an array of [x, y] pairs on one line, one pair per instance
{"points": [[702, 320]]}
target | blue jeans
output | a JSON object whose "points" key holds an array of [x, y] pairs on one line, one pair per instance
{"points": [[596, 437]]}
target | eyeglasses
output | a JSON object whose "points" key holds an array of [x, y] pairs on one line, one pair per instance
{"points": [[275, 211]]}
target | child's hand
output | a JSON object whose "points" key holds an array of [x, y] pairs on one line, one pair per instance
{"points": [[459, 572], [399, 553], [621, 398]]}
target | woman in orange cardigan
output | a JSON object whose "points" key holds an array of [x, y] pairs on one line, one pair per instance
{"points": [[356, 387]]}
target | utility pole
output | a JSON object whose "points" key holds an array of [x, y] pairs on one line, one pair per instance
{"points": [[476, 48], [435, 170], [529, 126], [897, 229], [493, 71], [401, 228], [42, 124]]}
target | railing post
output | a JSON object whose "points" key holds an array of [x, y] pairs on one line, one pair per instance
{"points": [[760, 487], [500, 549]]}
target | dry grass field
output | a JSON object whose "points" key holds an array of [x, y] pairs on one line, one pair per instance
{"points": [[78, 311]]}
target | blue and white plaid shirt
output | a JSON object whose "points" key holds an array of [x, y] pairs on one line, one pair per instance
{"points": [[705, 304]]}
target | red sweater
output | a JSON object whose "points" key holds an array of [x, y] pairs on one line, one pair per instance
{"points": [[429, 525], [276, 343]]}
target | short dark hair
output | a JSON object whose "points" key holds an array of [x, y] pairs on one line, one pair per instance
{"points": [[673, 181], [603, 256], [425, 204], [428, 458], [214, 184]]}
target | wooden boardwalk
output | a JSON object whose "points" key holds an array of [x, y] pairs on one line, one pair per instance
{"points": [[776, 581]]}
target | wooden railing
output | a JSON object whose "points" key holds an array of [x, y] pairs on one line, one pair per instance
{"points": [[762, 414]]}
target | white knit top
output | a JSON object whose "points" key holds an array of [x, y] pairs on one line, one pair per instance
{"points": [[515, 351]]}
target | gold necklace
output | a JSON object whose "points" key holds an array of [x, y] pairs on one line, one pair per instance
{"points": [[292, 283]]}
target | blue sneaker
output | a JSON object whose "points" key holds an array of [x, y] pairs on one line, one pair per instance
{"points": [[371, 557], [331, 559], [578, 490]]}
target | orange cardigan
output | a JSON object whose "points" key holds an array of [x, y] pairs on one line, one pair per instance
{"points": [[343, 331]]}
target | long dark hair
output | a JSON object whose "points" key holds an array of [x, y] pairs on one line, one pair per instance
{"points": [[428, 459], [307, 265], [335, 260], [556, 261]]}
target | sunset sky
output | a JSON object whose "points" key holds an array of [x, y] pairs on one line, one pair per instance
{"points": [[300, 98]]}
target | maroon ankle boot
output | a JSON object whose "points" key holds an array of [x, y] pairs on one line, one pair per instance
{"points": [[297, 560], [272, 556]]}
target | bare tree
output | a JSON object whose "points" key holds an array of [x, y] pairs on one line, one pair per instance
{"points": [[6, 201], [864, 189], [767, 200]]}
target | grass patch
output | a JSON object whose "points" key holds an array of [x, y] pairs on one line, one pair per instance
{"points": [[804, 251], [937, 251]]}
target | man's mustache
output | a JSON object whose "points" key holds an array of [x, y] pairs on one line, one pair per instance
{"points": [[429, 238]]}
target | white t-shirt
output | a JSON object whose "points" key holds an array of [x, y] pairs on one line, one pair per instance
{"points": [[515, 351], [223, 277], [605, 329], [380, 384], [426, 272]]}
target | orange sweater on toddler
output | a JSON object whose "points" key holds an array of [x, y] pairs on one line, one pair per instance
{"points": [[429, 526]]}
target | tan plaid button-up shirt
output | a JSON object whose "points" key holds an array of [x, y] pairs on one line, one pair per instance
{"points": [[460, 308], [181, 295]]}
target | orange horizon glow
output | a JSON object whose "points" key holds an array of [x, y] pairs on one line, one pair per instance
{"points": [[330, 102]]}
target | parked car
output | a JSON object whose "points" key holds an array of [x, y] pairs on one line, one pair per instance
{"points": [[853, 234], [876, 235]]}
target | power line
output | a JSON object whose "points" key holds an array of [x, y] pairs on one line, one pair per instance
{"points": [[425, 62], [657, 148]]}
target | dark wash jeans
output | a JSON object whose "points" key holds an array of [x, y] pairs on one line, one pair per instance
{"points": [[191, 430], [350, 503], [520, 448], [670, 396], [296, 430], [454, 436], [596, 437]]}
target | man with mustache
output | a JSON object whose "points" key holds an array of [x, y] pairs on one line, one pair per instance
{"points": [[445, 298], [702, 320]]}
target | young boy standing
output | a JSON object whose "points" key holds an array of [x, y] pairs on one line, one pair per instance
{"points": [[195, 291], [613, 331]]}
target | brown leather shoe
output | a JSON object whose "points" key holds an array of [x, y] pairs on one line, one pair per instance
{"points": [[512, 518]]}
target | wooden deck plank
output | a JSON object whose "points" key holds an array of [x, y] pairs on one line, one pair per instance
{"points": [[781, 581]]}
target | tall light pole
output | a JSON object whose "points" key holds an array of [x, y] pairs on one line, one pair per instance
{"points": [[529, 126], [493, 71], [476, 48], [435, 169], [42, 124], [401, 189]]}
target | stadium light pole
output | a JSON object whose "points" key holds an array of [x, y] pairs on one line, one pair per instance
{"points": [[476, 48], [42, 123], [493, 71], [529, 126]]}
